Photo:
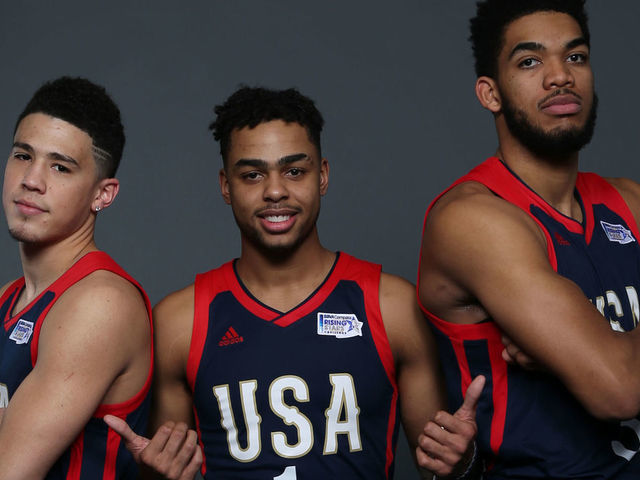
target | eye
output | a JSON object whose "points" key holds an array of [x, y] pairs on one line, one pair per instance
{"points": [[60, 168], [251, 175], [21, 156], [577, 58], [295, 172], [529, 63]]}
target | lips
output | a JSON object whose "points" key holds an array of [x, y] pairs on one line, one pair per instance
{"points": [[563, 104], [277, 221], [28, 208]]}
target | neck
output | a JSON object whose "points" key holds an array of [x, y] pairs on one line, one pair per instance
{"points": [[42, 265], [284, 280], [554, 179]]}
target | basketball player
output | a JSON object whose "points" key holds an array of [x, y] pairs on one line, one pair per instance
{"points": [[528, 246], [75, 341], [295, 360]]}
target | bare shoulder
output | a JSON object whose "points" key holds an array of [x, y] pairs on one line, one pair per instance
{"points": [[175, 309], [5, 286], [106, 298], [401, 314], [173, 317], [471, 206]]}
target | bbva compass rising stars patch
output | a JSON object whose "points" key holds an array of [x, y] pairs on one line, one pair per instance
{"points": [[339, 325], [617, 233], [22, 332]]}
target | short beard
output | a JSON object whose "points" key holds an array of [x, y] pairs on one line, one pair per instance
{"points": [[556, 144]]}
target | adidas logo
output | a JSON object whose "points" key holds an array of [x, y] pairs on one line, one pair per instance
{"points": [[560, 239], [230, 338]]}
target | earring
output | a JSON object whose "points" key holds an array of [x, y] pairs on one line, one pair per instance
{"points": [[97, 209]]}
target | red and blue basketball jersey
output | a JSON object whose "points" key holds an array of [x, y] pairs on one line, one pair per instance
{"points": [[309, 393], [97, 452], [530, 426]]}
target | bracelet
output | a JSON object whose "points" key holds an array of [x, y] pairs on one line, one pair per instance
{"points": [[474, 469]]}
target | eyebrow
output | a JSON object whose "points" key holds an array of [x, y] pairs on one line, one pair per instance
{"points": [[260, 163], [536, 47], [55, 155]]}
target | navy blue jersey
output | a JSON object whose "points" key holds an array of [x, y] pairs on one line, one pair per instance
{"points": [[97, 452], [309, 393], [530, 426]]}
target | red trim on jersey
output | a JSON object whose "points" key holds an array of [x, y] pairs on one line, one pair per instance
{"points": [[113, 444], [241, 295], [203, 469], [204, 285], [595, 190], [368, 276], [499, 395], [15, 287], [488, 331], [75, 458], [343, 263]]}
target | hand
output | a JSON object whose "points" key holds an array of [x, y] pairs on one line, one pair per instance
{"points": [[173, 451], [513, 355], [445, 446]]}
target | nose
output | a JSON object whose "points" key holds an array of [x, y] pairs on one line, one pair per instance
{"points": [[557, 74], [33, 178], [275, 188]]}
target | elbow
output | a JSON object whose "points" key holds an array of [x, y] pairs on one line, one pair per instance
{"points": [[619, 402]]}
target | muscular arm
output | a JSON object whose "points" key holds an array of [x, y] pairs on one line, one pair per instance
{"points": [[92, 350], [478, 247], [172, 336], [419, 383]]}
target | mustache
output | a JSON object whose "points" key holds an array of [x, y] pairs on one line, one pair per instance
{"points": [[560, 91]]}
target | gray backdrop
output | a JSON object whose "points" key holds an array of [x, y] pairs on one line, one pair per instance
{"points": [[393, 80]]}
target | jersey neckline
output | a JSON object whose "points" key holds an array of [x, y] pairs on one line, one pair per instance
{"points": [[264, 311]]}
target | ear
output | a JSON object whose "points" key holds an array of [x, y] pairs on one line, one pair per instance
{"points": [[224, 186], [107, 191], [488, 94], [324, 176]]}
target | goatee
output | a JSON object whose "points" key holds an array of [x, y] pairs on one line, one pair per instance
{"points": [[556, 144]]}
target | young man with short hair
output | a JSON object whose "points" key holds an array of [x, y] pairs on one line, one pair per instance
{"points": [[527, 246], [75, 342], [293, 361]]}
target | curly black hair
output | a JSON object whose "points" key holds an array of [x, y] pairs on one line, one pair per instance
{"points": [[250, 106], [493, 17], [88, 107]]}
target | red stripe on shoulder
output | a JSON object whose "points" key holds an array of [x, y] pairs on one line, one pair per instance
{"points": [[205, 289], [367, 276]]}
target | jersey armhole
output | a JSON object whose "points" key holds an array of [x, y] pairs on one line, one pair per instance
{"points": [[202, 286]]}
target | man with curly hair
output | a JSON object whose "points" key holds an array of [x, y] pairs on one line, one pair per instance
{"points": [[75, 342], [529, 251], [293, 361]]}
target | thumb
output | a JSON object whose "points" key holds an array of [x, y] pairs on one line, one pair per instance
{"points": [[467, 410], [134, 442]]}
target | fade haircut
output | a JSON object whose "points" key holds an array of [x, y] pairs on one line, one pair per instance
{"points": [[493, 17], [88, 107], [251, 106]]}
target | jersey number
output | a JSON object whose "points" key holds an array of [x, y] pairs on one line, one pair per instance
{"points": [[4, 396], [288, 474]]}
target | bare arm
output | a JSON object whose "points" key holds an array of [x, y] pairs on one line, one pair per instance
{"points": [[173, 449], [92, 350], [477, 246], [419, 382]]}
